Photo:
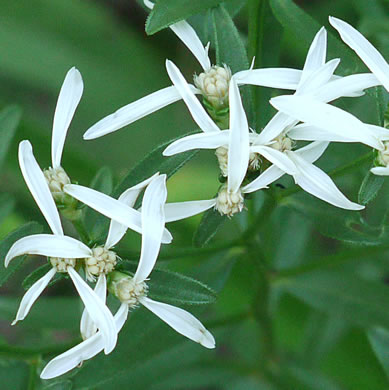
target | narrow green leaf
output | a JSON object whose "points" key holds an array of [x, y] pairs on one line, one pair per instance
{"points": [[167, 12], [379, 340], [95, 223], [302, 27], [152, 163], [370, 187], [361, 302], [9, 120], [63, 385], [25, 230], [174, 288], [209, 225]]}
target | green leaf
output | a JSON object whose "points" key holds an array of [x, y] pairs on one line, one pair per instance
{"points": [[208, 227], [174, 288], [370, 186], [379, 340], [25, 230], [9, 120], [39, 273], [343, 225], [6, 206], [152, 163], [361, 302], [302, 27], [96, 224], [63, 385], [167, 12]]}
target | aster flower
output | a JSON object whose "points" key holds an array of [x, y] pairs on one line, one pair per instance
{"points": [[62, 251], [132, 290], [364, 49]]}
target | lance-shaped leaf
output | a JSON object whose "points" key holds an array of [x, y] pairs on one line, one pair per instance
{"points": [[379, 340], [208, 227], [370, 187]]}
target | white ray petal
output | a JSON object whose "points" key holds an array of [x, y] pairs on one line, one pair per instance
{"points": [[197, 111], [116, 230], [153, 222], [380, 171], [68, 99], [316, 182], [181, 321], [87, 327], [32, 295], [134, 111], [305, 132], [279, 159], [110, 207], [326, 117], [364, 49], [345, 86], [48, 245], [83, 351], [36, 183], [270, 175], [239, 142], [377, 131], [97, 310], [313, 151], [282, 78], [198, 141], [182, 210]]}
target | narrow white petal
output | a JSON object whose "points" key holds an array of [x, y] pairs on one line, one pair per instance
{"points": [[279, 159], [316, 182], [345, 86], [48, 245], [364, 49], [148, 4], [198, 141], [270, 175], [87, 327], [326, 117], [377, 131], [313, 151], [97, 310], [153, 222], [83, 351], [274, 128], [380, 171], [110, 207], [68, 99], [181, 321], [197, 111], [239, 142], [189, 38], [305, 132], [282, 78], [32, 295], [116, 230], [134, 111], [36, 183], [182, 210]]}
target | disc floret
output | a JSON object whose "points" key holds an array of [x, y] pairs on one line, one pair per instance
{"points": [[229, 203], [62, 264], [102, 261]]}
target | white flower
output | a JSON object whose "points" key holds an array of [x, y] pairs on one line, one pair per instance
{"points": [[62, 251], [132, 291], [213, 83], [364, 49]]}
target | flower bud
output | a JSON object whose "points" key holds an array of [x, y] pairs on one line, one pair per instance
{"points": [[228, 203], [102, 261], [61, 264]]}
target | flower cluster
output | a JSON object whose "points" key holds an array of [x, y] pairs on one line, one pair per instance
{"points": [[249, 160]]}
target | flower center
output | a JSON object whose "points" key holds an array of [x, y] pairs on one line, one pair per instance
{"points": [[383, 155], [56, 179], [254, 161], [61, 264], [214, 83], [228, 203], [129, 292], [222, 157], [282, 143], [102, 261]]}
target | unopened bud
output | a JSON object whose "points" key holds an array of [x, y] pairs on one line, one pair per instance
{"points": [[102, 261], [222, 156]]}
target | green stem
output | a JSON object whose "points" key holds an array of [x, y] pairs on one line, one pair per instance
{"points": [[334, 173], [34, 363]]}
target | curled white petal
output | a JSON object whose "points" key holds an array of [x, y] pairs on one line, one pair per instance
{"points": [[364, 49], [182, 210], [380, 171], [313, 151], [68, 99], [211, 140], [281, 160], [274, 128], [239, 142], [270, 175], [305, 132], [181, 321], [97, 310], [153, 222], [134, 111], [197, 111], [48, 245], [32, 295], [38, 187]]}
